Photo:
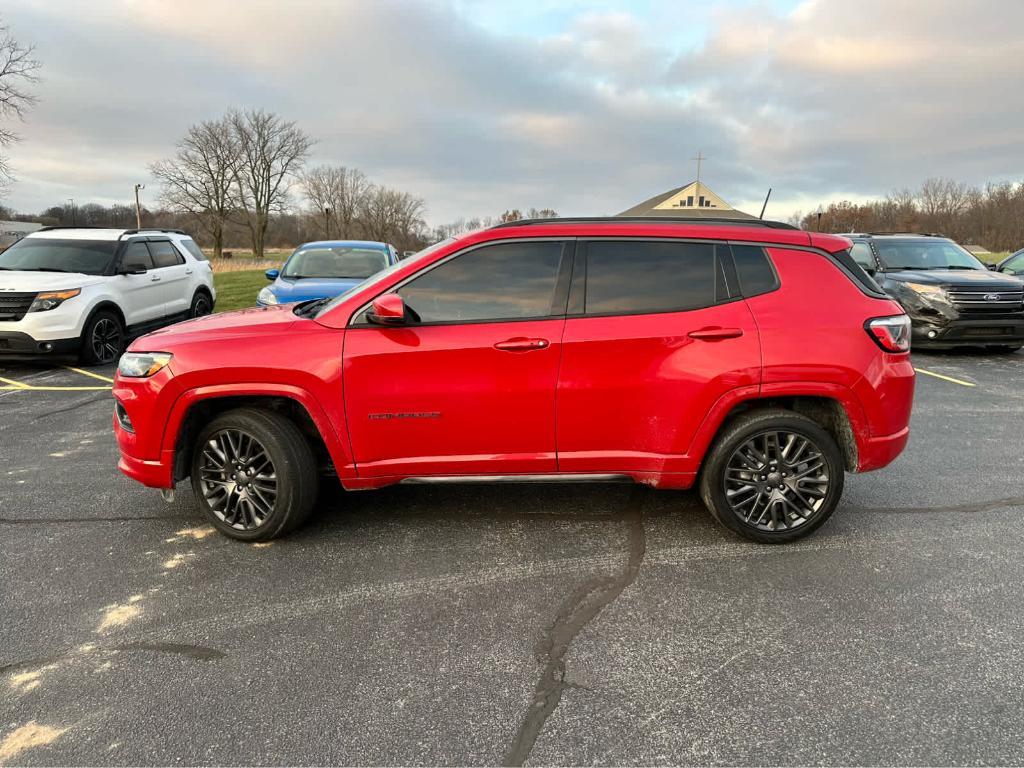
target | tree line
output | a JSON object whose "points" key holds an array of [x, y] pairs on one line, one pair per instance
{"points": [[991, 216]]}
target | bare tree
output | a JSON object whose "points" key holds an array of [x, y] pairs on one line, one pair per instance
{"points": [[273, 151], [201, 177], [17, 73], [340, 190], [389, 215]]}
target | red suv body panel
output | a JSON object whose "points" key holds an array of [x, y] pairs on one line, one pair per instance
{"points": [[641, 395]]}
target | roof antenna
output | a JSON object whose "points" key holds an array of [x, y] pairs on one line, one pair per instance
{"points": [[765, 203]]}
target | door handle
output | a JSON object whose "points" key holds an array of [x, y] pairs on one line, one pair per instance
{"points": [[188, 271], [716, 334], [521, 344], [154, 279]]}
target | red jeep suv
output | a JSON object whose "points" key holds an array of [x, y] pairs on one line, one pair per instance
{"points": [[754, 360]]}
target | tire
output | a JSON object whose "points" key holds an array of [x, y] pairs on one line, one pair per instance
{"points": [[102, 339], [262, 509], [777, 518], [201, 305]]}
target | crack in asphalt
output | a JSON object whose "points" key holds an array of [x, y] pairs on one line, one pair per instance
{"points": [[74, 407], [62, 520], [580, 608], [979, 506], [197, 652]]}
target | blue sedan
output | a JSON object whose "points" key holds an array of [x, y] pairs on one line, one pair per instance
{"points": [[325, 269]]}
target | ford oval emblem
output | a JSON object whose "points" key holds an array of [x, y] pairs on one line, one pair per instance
{"points": [[991, 297]]}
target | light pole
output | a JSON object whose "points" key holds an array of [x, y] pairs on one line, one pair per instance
{"points": [[138, 208], [327, 223], [72, 201]]}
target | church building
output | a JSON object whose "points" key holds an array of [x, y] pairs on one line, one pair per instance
{"points": [[691, 201]]}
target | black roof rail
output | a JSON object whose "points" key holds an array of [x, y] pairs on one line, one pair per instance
{"points": [[139, 231], [647, 220], [71, 226], [900, 234]]}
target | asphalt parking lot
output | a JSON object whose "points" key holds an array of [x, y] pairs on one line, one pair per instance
{"points": [[569, 625]]}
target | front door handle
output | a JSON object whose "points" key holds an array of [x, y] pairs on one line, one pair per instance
{"points": [[521, 344], [716, 334], [154, 279]]}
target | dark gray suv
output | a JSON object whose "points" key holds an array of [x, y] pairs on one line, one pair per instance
{"points": [[952, 298]]}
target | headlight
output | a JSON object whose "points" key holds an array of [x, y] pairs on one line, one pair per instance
{"points": [[923, 288], [266, 296], [141, 365], [52, 299]]}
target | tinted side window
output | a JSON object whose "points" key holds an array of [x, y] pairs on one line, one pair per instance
{"points": [[1014, 266], [508, 281], [136, 256], [190, 245], [754, 270], [861, 253], [633, 277], [165, 254]]}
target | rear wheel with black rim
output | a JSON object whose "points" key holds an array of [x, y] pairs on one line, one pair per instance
{"points": [[773, 476], [254, 474], [102, 339], [201, 305]]}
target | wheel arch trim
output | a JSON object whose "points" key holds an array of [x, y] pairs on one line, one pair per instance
{"points": [[337, 447]]}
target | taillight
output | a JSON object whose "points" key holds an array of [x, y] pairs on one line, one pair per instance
{"points": [[892, 334]]}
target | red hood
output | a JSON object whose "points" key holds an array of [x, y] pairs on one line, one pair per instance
{"points": [[242, 323]]}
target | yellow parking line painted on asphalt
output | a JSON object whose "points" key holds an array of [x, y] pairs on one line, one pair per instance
{"points": [[14, 384], [90, 373], [961, 382], [56, 389]]}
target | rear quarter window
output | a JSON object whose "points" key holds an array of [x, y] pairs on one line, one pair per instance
{"points": [[754, 270], [190, 245]]}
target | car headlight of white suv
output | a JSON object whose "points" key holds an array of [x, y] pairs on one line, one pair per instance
{"points": [[52, 299], [266, 296]]}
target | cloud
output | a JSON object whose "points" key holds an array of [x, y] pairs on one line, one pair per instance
{"points": [[587, 111]]}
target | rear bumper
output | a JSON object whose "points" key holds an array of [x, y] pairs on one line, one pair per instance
{"points": [[878, 452], [18, 344]]}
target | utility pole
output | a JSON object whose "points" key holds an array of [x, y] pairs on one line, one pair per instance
{"points": [[327, 223], [72, 201], [138, 208]]}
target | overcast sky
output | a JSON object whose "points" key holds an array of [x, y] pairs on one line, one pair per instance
{"points": [[585, 107]]}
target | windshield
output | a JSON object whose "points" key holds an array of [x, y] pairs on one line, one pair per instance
{"points": [[924, 253], [383, 274], [39, 254], [334, 261]]}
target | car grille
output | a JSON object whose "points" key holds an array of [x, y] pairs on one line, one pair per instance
{"points": [[13, 306], [982, 301]]}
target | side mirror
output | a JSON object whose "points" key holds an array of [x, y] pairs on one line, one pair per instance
{"points": [[272, 274], [388, 309]]}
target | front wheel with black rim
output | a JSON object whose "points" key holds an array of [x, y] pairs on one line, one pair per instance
{"points": [[773, 476], [102, 339], [254, 474]]}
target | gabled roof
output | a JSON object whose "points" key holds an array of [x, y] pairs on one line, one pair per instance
{"points": [[684, 202]]}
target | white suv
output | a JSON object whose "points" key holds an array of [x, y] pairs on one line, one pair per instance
{"points": [[89, 291]]}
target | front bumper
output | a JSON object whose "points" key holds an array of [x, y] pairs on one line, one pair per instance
{"points": [[1004, 330], [18, 344], [154, 474]]}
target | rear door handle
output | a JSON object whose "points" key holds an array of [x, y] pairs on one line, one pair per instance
{"points": [[716, 334], [521, 344], [188, 271], [154, 279]]}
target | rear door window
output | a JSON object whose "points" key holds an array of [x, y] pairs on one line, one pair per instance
{"points": [[637, 277], [165, 254]]}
